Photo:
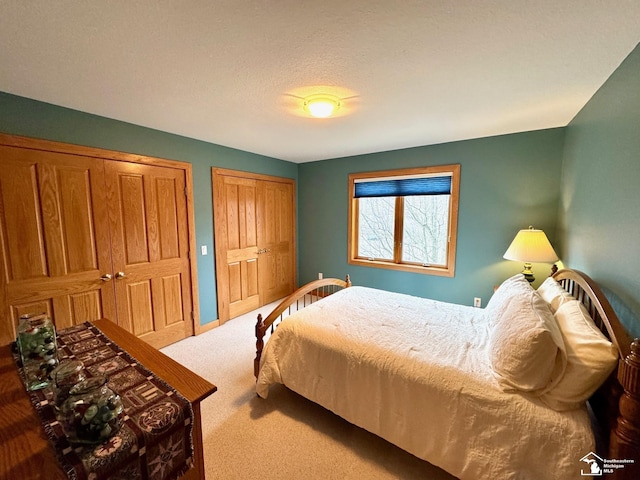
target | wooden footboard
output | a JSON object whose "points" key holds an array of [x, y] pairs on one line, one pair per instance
{"points": [[616, 405], [624, 442], [305, 295]]}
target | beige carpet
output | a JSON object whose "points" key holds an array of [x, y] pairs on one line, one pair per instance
{"points": [[285, 436]]}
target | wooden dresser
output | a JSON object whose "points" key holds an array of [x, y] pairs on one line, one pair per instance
{"points": [[26, 452]]}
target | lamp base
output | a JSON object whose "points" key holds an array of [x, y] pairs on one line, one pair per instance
{"points": [[528, 273]]}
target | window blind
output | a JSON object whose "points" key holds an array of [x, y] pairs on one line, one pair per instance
{"points": [[440, 185]]}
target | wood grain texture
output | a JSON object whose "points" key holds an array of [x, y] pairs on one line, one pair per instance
{"points": [[54, 247], [254, 222], [149, 242], [276, 227], [193, 387], [23, 239], [26, 452], [37, 144], [168, 224], [235, 225], [625, 438], [58, 211]]}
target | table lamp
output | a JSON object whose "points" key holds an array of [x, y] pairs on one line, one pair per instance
{"points": [[529, 246]]}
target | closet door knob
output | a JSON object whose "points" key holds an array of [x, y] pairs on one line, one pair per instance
{"points": [[120, 275], [106, 277]]}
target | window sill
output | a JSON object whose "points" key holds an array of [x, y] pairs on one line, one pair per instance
{"points": [[438, 271]]}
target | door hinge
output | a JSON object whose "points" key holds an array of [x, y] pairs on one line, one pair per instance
{"points": [[186, 192], [193, 316]]}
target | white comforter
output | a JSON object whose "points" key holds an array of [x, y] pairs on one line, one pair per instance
{"points": [[416, 372]]}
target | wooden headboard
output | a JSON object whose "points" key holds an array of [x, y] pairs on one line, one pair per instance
{"points": [[616, 405]]}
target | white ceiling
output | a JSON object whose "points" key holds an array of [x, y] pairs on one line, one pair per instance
{"points": [[417, 72]]}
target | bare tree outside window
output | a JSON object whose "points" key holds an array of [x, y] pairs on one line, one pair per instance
{"points": [[405, 219], [376, 224], [424, 233], [425, 229]]}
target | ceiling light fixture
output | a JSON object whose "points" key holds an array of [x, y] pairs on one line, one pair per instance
{"points": [[321, 105]]}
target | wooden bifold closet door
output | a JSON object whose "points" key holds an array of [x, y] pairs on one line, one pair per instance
{"points": [[254, 221], [150, 251], [84, 238]]}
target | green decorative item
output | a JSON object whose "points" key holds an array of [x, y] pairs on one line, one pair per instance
{"points": [[38, 352], [92, 413], [67, 374]]}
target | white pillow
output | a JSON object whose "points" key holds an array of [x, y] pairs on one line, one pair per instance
{"points": [[553, 293], [511, 286], [591, 358], [526, 347]]}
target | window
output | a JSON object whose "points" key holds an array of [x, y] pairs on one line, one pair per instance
{"points": [[405, 219]]}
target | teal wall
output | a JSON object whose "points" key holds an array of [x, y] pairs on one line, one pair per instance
{"points": [[507, 183], [30, 118], [579, 184], [599, 223]]}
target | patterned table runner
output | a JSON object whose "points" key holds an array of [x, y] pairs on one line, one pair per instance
{"points": [[154, 442]]}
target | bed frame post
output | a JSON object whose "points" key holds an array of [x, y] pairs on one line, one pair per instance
{"points": [[259, 345], [625, 437], [320, 288]]}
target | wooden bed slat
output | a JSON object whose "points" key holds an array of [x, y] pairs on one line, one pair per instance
{"points": [[304, 293]]}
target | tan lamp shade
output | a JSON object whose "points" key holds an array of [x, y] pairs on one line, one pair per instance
{"points": [[531, 246]]}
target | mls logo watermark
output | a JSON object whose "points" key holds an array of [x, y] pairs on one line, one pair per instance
{"points": [[595, 465], [598, 467]]}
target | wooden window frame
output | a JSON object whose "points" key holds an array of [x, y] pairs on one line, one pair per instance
{"points": [[447, 270]]}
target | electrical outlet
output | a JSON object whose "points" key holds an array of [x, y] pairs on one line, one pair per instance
{"points": [[319, 275], [477, 302], [203, 249]]}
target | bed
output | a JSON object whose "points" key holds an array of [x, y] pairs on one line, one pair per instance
{"points": [[499, 392]]}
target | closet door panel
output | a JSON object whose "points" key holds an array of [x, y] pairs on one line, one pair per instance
{"points": [[78, 239], [171, 286], [234, 280], [276, 220], [254, 220], [148, 220], [168, 224], [140, 307], [235, 204], [54, 238], [22, 236], [82, 305], [134, 216]]}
